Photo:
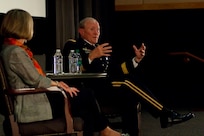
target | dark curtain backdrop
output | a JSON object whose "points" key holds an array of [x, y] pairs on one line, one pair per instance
{"points": [[66, 18]]}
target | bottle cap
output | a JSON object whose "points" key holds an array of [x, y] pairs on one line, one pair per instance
{"points": [[57, 50]]}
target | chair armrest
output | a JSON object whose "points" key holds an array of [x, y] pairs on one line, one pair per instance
{"points": [[24, 91], [27, 91]]}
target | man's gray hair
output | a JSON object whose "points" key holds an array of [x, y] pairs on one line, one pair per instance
{"points": [[83, 21]]}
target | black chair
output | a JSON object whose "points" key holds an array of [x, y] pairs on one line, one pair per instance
{"points": [[112, 111]]}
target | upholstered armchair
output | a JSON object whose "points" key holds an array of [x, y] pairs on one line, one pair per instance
{"points": [[65, 125]]}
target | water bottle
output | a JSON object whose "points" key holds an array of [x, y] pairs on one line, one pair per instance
{"points": [[79, 61], [58, 62], [72, 62]]}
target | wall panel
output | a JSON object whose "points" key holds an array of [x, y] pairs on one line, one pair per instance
{"points": [[123, 5]]}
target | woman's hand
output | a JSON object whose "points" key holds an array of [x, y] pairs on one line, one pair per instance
{"points": [[71, 90]]}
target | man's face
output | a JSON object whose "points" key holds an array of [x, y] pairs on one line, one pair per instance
{"points": [[90, 32]]}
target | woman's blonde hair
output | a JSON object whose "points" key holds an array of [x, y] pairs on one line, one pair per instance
{"points": [[18, 24]]}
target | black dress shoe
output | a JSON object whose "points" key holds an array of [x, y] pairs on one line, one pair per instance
{"points": [[169, 118]]}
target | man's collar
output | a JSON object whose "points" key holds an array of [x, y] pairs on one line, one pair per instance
{"points": [[89, 43]]}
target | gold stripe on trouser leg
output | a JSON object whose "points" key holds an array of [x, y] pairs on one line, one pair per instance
{"points": [[147, 97], [117, 83], [139, 92]]}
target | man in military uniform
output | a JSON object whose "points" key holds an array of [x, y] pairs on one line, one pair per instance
{"points": [[96, 58]]}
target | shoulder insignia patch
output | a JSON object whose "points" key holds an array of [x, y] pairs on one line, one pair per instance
{"points": [[71, 40]]}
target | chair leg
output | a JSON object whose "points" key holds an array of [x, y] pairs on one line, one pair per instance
{"points": [[76, 133], [139, 115], [79, 133], [14, 126]]}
